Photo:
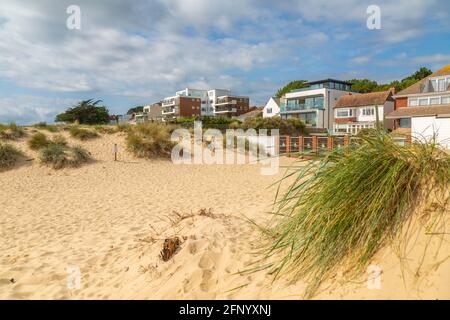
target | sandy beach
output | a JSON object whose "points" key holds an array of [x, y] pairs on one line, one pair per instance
{"points": [[109, 219]]}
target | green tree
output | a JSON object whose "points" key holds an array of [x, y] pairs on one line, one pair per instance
{"points": [[296, 84], [136, 109], [85, 112]]}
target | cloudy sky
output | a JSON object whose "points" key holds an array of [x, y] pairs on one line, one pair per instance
{"points": [[136, 52]]}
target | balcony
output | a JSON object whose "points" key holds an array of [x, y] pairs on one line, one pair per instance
{"points": [[168, 110], [225, 109], [300, 106], [222, 102], [168, 102]]}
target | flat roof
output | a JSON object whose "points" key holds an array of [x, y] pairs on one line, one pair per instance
{"points": [[328, 80]]}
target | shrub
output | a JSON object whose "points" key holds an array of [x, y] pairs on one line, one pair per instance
{"points": [[150, 140], [287, 127], [340, 212], [38, 141], [11, 132], [9, 155], [78, 155], [54, 155], [59, 156], [82, 134], [124, 127]]}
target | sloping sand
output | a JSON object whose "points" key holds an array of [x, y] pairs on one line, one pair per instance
{"points": [[109, 219]]}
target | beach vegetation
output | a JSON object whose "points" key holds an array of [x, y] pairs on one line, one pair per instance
{"points": [[38, 141], [85, 112], [11, 132], [9, 155], [82, 134], [59, 156], [45, 126], [339, 212], [151, 140]]}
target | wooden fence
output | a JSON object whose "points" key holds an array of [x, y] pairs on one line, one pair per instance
{"points": [[313, 145]]}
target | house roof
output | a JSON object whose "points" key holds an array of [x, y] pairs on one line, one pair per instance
{"points": [[277, 100], [420, 111], [365, 99], [418, 86]]}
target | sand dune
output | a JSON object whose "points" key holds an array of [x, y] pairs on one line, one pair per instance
{"points": [[109, 219]]}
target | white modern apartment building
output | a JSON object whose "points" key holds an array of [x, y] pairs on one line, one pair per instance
{"points": [[212, 102], [314, 103]]}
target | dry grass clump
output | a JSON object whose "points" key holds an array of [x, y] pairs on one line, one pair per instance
{"points": [[9, 155], [11, 132], [150, 141], [45, 126], [59, 156], [82, 134], [340, 212], [106, 129], [38, 141]]}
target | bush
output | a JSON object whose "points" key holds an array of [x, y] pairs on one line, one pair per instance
{"points": [[82, 134], [290, 127], [340, 212], [9, 155], [150, 140], [58, 156], [11, 132], [38, 141], [78, 155]]}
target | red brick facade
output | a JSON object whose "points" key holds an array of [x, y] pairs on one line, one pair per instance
{"points": [[401, 102]]}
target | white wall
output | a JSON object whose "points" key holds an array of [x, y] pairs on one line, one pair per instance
{"points": [[271, 104], [424, 128]]}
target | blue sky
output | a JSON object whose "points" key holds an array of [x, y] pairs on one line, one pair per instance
{"points": [[136, 52]]}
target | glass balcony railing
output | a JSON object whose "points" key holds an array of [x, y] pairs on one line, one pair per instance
{"points": [[300, 106]]}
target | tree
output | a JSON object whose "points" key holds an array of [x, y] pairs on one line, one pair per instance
{"points": [[85, 112], [136, 109], [296, 84], [366, 85]]}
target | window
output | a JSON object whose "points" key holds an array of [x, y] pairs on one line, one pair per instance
{"points": [[368, 111], [423, 101], [434, 100], [269, 110], [413, 102], [445, 99], [405, 123], [434, 85], [442, 85], [343, 113]]}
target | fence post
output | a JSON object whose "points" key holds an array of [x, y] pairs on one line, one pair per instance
{"points": [[300, 144], [288, 145], [330, 143], [314, 144], [346, 141]]}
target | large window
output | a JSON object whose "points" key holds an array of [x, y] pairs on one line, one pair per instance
{"points": [[434, 100], [445, 100], [344, 113], [309, 118]]}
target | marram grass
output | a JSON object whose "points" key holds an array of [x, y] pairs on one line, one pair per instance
{"points": [[337, 214]]}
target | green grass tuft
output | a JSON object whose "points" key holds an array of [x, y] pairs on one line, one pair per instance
{"points": [[11, 132], [59, 156], [38, 141], [82, 134], [150, 140], [9, 155], [338, 213]]}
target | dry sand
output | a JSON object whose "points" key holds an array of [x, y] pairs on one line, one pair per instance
{"points": [[109, 220]]}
